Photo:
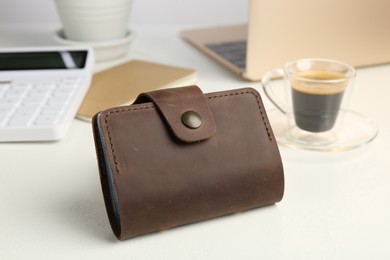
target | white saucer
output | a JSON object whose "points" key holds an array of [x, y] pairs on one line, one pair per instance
{"points": [[104, 50], [356, 131]]}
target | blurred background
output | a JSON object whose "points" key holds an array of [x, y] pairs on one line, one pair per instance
{"points": [[144, 12]]}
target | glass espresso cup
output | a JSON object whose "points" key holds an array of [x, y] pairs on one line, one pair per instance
{"points": [[317, 92]]}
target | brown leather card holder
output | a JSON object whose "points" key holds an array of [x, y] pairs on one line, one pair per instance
{"points": [[178, 156]]}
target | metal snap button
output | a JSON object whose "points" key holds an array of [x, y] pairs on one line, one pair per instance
{"points": [[191, 119]]}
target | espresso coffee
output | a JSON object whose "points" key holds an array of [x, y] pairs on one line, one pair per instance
{"points": [[316, 101]]}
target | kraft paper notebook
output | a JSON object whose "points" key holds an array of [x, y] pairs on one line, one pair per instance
{"points": [[120, 85]]}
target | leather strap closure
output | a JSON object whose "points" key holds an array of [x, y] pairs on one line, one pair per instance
{"points": [[185, 110]]}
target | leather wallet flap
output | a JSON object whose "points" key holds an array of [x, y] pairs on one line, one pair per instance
{"points": [[185, 111]]}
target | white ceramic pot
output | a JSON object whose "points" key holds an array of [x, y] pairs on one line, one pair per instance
{"points": [[94, 20]]}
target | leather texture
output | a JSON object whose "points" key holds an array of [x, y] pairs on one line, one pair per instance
{"points": [[157, 174]]}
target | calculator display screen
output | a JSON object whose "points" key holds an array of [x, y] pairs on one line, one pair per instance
{"points": [[43, 60]]}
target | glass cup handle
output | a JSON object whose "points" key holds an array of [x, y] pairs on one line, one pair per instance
{"points": [[266, 83]]}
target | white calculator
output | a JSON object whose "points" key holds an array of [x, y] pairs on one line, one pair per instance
{"points": [[41, 90]]}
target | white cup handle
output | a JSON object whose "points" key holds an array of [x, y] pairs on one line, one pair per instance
{"points": [[266, 83]]}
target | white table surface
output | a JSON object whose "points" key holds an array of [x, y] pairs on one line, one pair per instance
{"points": [[336, 205]]}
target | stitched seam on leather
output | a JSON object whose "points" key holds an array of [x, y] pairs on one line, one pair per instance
{"points": [[109, 132], [262, 113], [126, 109]]}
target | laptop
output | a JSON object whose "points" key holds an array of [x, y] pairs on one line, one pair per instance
{"points": [[278, 31]]}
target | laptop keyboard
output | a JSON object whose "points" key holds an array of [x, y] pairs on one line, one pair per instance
{"points": [[234, 52]]}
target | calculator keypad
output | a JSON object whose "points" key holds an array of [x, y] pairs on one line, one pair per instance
{"points": [[29, 104]]}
